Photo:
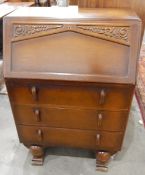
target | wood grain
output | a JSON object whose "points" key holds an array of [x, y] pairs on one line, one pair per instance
{"points": [[71, 84], [113, 34], [137, 5], [68, 117], [75, 96], [70, 138]]}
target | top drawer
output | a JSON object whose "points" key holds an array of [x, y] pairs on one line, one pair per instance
{"points": [[96, 96]]}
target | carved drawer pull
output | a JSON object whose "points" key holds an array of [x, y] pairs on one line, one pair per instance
{"points": [[98, 136], [37, 114], [40, 134], [100, 119], [102, 97], [34, 92]]}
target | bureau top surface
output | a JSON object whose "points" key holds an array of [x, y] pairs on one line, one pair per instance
{"points": [[72, 12]]}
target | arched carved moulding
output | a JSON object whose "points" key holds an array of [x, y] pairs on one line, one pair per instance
{"points": [[119, 34]]}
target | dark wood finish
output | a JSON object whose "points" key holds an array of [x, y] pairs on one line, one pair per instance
{"points": [[136, 5], [76, 89]]}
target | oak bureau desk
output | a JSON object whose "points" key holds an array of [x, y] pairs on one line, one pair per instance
{"points": [[70, 76]]}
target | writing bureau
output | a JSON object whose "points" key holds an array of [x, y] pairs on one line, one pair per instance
{"points": [[70, 76]]}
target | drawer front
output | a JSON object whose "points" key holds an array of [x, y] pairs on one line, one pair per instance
{"points": [[90, 97], [55, 95], [70, 118], [70, 137]]}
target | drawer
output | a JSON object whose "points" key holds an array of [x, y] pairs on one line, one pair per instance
{"points": [[70, 138], [70, 118], [101, 97]]}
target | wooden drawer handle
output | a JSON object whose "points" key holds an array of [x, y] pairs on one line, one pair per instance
{"points": [[40, 134], [102, 97], [98, 138], [34, 92], [100, 119], [37, 115]]}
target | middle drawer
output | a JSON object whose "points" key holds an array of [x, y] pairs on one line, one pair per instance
{"points": [[70, 117]]}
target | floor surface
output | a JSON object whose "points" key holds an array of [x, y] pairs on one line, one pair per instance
{"points": [[15, 159]]}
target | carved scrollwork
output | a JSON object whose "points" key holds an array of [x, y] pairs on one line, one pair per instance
{"points": [[115, 32], [28, 29]]}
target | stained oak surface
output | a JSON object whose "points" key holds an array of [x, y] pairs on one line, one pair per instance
{"points": [[136, 5], [109, 53], [70, 95], [71, 79], [68, 117], [72, 138]]}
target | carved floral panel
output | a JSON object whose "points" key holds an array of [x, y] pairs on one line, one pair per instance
{"points": [[116, 33]]}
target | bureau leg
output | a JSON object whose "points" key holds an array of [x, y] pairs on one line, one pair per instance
{"points": [[102, 159], [38, 155]]}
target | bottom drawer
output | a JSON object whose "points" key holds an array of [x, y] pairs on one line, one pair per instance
{"points": [[88, 139]]}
